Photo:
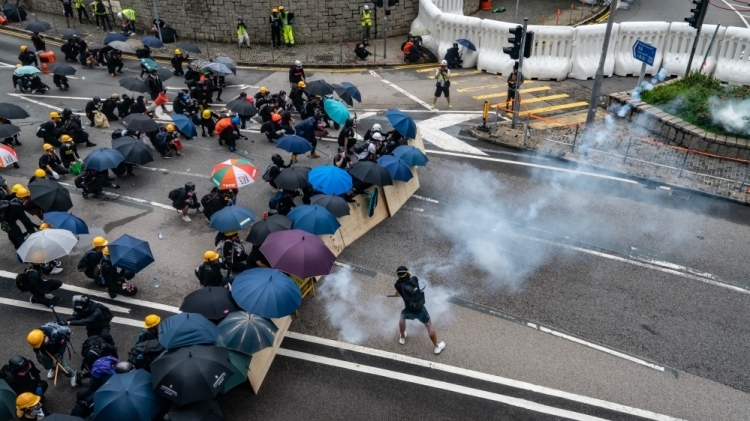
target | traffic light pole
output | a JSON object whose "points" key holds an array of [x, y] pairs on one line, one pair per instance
{"points": [[597, 89], [516, 106], [698, 25]]}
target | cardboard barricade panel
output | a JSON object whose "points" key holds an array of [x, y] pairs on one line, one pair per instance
{"points": [[679, 42], [550, 58], [454, 7], [397, 194], [428, 18], [358, 222], [453, 27], [654, 33], [261, 361], [417, 141], [732, 64], [494, 36], [587, 51], [334, 242]]}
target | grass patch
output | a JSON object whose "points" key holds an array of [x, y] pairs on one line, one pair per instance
{"points": [[690, 99]]}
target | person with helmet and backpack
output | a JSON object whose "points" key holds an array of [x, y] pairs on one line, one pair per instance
{"points": [[150, 329], [101, 13], [27, 57], [177, 61], [22, 376], [29, 407], [51, 163], [14, 212], [209, 273], [49, 343], [298, 96], [68, 151], [233, 252], [208, 122], [114, 279], [143, 353], [70, 125], [296, 74], [95, 317], [185, 198], [228, 129], [407, 287], [89, 263], [274, 169], [49, 131], [28, 206], [163, 141], [213, 202], [34, 281]]}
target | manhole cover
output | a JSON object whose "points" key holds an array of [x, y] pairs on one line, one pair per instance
{"points": [[680, 194]]}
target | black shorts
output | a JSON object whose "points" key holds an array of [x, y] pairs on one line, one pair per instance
{"points": [[67, 10], [423, 316], [444, 90]]}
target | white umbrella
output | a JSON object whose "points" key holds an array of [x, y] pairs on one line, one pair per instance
{"points": [[47, 245]]}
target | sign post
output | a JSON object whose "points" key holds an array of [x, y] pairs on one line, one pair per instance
{"points": [[644, 53]]}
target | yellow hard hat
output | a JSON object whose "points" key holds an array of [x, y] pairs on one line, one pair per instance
{"points": [[54, 114], [35, 338], [263, 90], [105, 251], [231, 232], [178, 51], [210, 256], [16, 187], [47, 146], [44, 226], [171, 127], [23, 48], [272, 11], [24, 401], [281, 7], [40, 173], [66, 138], [206, 113], [301, 84], [99, 242], [152, 320], [22, 192]]}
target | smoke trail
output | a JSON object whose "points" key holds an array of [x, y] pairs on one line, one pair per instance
{"points": [[732, 115]]}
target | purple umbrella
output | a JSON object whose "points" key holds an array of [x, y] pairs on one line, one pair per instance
{"points": [[298, 252]]}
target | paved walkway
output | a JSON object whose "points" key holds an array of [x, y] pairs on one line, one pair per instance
{"points": [[541, 12]]}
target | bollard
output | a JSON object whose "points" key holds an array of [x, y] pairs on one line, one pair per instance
{"points": [[526, 130], [687, 152], [627, 150]]}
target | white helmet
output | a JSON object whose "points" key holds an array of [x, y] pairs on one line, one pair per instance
{"points": [[377, 137], [367, 7], [376, 128], [444, 63], [297, 63], [119, 15]]}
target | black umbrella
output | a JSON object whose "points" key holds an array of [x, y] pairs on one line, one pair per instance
{"points": [[242, 107], [197, 65], [103, 159], [14, 13], [134, 150], [37, 26], [168, 35], [261, 229], [334, 204], [50, 195], [63, 69], [12, 111], [8, 130], [319, 87], [164, 74], [192, 373], [61, 417], [212, 302], [206, 410], [227, 61], [343, 94], [189, 47], [372, 173], [293, 178], [135, 85], [72, 33], [140, 123]]}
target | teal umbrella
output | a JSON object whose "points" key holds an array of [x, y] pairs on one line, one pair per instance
{"points": [[26, 70], [149, 64], [240, 366], [7, 401], [336, 110]]}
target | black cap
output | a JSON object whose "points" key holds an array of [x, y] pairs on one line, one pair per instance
{"points": [[402, 271]]}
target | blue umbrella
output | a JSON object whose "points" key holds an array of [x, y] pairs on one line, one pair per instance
{"points": [[130, 253], [396, 167], [246, 333], [115, 37], [26, 70], [149, 64], [353, 91], [313, 219], [184, 125], [152, 42], [336, 110], [127, 397], [186, 329], [232, 218], [103, 159], [266, 292], [293, 144], [466, 43], [240, 367], [330, 180], [218, 67], [402, 123], [66, 221], [414, 157]]}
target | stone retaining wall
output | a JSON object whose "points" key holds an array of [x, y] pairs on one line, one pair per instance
{"points": [[470, 7], [316, 21]]}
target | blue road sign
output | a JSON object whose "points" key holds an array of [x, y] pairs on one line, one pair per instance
{"points": [[644, 52]]}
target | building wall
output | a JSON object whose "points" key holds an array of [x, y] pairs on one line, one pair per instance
{"points": [[470, 7]]}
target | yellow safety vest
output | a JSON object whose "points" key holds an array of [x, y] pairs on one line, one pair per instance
{"points": [[241, 30], [366, 18], [284, 18], [80, 4], [129, 13]]}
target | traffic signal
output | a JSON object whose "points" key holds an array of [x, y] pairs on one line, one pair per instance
{"points": [[528, 45], [698, 13], [515, 43]]}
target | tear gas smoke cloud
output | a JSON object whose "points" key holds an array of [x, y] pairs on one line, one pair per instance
{"points": [[734, 115]]}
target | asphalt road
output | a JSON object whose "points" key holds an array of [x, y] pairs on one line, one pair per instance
{"points": [[724, 12]]}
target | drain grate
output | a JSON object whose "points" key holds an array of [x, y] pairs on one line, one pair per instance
{"points": [[680, 194]]}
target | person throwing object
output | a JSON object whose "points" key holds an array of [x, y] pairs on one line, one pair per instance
{"points": [[407, 287]]}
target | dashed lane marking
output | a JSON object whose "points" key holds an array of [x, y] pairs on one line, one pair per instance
{"points": [[457, 74], [554, 108], [537, 99], [523, 91]]}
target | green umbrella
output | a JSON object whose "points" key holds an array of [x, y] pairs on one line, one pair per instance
{"points": [[7, 402], [336, 110], [149, 64], [26, 70], [241, 365]]}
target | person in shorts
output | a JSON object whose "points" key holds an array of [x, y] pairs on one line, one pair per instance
{"points": [[442, 84], [407, 287], [68, 12]]}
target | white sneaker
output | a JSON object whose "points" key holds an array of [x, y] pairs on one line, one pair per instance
{"points": [[51, 374], [186, 218], [55, 271], [73, 381], [57, 263], [439, 348], [402, 340]]}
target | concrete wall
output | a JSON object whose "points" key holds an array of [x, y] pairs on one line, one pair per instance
{"points": [[315, 20], [470, 6]]}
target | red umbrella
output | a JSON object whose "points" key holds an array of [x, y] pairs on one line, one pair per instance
{"points": [[7, 156]]}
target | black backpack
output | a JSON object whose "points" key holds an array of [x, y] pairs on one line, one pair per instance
{"points": [[100, 7], [176, 194], [21, 282], [80, 180], [108, 316], [144, 353], [412, 295], [361, 147], [93, 348], [267, 174]]}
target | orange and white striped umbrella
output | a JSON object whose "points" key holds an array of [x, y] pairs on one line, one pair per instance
{"points": [[233, 174], [7, 156]]}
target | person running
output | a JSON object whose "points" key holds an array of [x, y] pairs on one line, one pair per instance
{"points": [[442, 84], [407, 287]]}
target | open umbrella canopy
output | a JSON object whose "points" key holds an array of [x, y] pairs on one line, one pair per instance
{"points": [[330, 179], [266, 292], [233, 174], [47, 245], [372, 173], [7, 401], [140, 122], [26, 70], [66, 221], [336, 110], [135, 85], [241, 364], [319, 87], [466, 43], [127, 397], [218, 68], [8, 130], [334, 204], [212, 302], [134, 150], [115, 37], [103, 159], [72, 33], [12, 111], [299, 253], [313, 219], [343, 94], [50, 195], [352, 90], [197, 65], [8, 155], [189, 47], [242, 107], [293, 178], [411, 155], [245, 332], [192, 373], [227, 61], [294, 144], [150, 64], [14, 13], [62, 69], [260, 230], [130, 253], [402, 123], [61, 417], [184, 124], [396, 167], [205, 410], [37, 26], [152, 41], [121, 45], [164, 75], [186, 329], [232, 218]]}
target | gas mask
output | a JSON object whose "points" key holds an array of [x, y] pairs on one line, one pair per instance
{"points": [[80, 302], [35, 411]]}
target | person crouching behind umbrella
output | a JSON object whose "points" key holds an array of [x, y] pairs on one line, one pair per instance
{"points": [[209, 273], [233, 252], [61, 82]]}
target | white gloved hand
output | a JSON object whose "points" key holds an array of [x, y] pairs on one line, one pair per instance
{"points": [[55, 175]]}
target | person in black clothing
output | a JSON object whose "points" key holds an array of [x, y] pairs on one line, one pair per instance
{"points": [[177, 61], [40, 288], [27, 57], [106, 367], [407, 287], [50, 130], [209, 273], [150, 329], [18, 82], [347, 137], [81, 48], [22, 376], [52, 163], [94, 105], [156, 86], [9, 140], [186, 199], [180, 103], [298, 96], [114, 279], [95, 317], [272, 128], [244, 118], [89, 263], [287, 123], [38, 41], [208, 121], [214, 202], [61, 82], [453, 57], [70, 50], [109, 106], [233, 252], [13, 213], [70, 125], [139, 107], [123, 108], [361, 51], [277, 164], [257, 259], [512, 79], [286, 203], [342, 159], [68, 151], [114, 62], [275, 22], [296, 74]]}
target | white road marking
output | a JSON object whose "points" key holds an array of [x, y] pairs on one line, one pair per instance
{"points": [[190, 174], [426, 199], [400, 89], [414, 209], [481, 376], [120, 298], [33, 101], [128, 198], [366, 114], [431, 132], [64, 310], [738, 13]]}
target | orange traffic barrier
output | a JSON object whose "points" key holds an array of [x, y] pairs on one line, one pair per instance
{"points": [[485, 5], [47, 58]]}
